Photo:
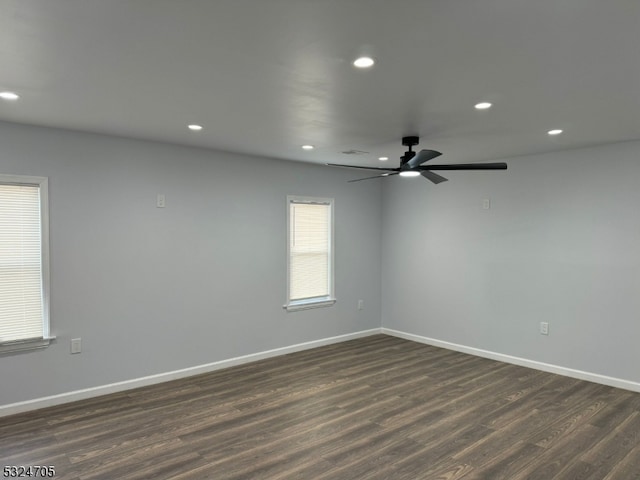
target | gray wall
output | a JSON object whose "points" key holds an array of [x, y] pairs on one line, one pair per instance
{"points": [[156, 290], [561, 244]]}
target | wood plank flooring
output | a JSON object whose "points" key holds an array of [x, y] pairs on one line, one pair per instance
{"points": [[374, 408]]}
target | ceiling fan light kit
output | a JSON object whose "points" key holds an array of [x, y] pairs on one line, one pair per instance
{"points": [[410, 173], [411, 164]]}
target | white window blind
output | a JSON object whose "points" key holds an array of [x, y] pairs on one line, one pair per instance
{"points": [[310, 252], [23, 314]]}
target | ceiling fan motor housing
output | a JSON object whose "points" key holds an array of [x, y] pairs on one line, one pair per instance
{"points": [[406, 157]]}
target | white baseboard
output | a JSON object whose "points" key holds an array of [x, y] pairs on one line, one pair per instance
{"points": [[523, 362], [68, 397]]}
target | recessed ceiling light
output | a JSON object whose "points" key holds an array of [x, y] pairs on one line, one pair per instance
{"points": [[383, 159], [363, 62], [9, 96], [557, 131], [483, 105], [308, 147], [409, 173], [195, 128]]}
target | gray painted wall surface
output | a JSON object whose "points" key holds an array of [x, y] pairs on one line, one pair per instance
{"points": [[154, 290], [560, 243]]}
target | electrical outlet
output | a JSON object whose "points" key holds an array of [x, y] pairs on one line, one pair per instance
{"points": [[160, 200], [544, 328], [76, 345], [360, 304]]}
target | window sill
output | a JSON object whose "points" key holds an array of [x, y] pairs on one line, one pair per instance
{"points": [[22, 345], [306, 305]]}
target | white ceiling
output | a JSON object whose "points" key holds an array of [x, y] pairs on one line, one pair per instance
{"points": [[266, 76]]}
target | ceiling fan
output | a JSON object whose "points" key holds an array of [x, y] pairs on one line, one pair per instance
{"points": [[411, 164]]}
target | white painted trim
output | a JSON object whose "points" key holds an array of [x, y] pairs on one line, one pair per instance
{"points": [[296, 306], [24, 345], [523, 362], [67, 397]]}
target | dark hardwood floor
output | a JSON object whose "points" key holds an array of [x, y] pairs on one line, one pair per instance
{"points": [[374, 408]]}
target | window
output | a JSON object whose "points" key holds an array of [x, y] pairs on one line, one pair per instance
{"points": [[309, 253], [24, 263]]}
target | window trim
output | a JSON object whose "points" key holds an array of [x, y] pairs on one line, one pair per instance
{"points": [[45, 340], [315, 302]]}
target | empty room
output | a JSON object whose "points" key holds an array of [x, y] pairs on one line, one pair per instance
{"points": [[309, 239]]}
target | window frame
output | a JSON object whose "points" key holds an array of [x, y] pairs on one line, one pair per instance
{"points": [[315, 302], [38, 342]]}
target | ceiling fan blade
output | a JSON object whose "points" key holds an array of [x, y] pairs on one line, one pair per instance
{"points": [[365, 168], [421, 157], [369, 178], [434, 177], [466, 166]]}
